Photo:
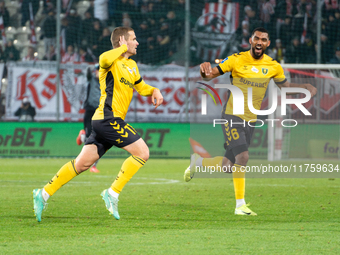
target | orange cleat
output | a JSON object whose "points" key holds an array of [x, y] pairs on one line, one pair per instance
{"points": [[79, 138], [94, 169]]}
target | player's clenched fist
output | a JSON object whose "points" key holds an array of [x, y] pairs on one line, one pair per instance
{"points": [[205, 69]]}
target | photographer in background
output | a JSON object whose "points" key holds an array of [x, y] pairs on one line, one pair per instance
{"points": [[25, 112]]}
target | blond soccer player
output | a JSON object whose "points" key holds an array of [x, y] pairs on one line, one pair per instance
{"points": [[118, 77]]}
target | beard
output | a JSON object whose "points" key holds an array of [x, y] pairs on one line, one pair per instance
{"points": [[256, 55]]}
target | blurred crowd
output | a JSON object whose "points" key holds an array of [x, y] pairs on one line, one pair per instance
{"points": [[159, 26], [293, 29]]}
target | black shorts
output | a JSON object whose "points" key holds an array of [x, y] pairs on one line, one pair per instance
{"points": [[237, 136], [111, 132]]}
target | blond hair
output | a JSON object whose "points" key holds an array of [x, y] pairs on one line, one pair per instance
{"points": [[117, 33]]}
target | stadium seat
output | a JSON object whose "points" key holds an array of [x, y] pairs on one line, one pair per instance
{"points": [[22, 34], [82, 6], [15, 20], [38, 32], [10, 32], [18, 44], [12, 7], [21, 45]]}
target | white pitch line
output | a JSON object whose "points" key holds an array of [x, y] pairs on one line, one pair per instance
{"points": [[155, 181]]}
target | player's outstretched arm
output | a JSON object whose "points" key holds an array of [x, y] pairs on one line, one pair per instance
{"points": [[207, 72], [156, 95], [146, 90], [307, 86]]}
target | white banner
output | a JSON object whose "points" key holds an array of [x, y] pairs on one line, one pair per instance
{"points": [[170, 79], [37, 81]]}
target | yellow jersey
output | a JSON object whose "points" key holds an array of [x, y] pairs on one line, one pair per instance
{"points": [[249, 72], [118, 76]]}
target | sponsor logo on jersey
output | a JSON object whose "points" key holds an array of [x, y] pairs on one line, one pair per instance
{"points": [[254, 84], [126, 82], [254, 69], [224, 60]]}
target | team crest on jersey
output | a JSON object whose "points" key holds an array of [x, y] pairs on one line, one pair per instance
{"points": [[224, 60], [255, 70], [264, 71]]}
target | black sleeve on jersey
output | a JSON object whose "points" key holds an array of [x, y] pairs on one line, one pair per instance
{"points": [[139, 81], [281, 82], [220, 70]]}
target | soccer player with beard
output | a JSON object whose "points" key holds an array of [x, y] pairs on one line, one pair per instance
{"points": [[252, 69], [118, 77]]}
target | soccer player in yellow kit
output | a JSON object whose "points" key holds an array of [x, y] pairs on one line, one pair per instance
{"points": [[253, 69], [118, 76]]}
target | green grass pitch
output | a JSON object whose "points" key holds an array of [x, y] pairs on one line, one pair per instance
{"points": [[161, 214]]}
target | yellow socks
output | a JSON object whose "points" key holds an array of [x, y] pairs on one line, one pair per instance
{"points": [[239, 181], [216, 161], [238, 175], [64, 175], [130, 166]]}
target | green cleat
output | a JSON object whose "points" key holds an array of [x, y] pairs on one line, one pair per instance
{"points": [[38, 204], [244, 210], [190, 171], [111, 203]]}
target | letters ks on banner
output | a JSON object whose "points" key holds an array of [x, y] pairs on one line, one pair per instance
{"points": [[38, 82]]}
